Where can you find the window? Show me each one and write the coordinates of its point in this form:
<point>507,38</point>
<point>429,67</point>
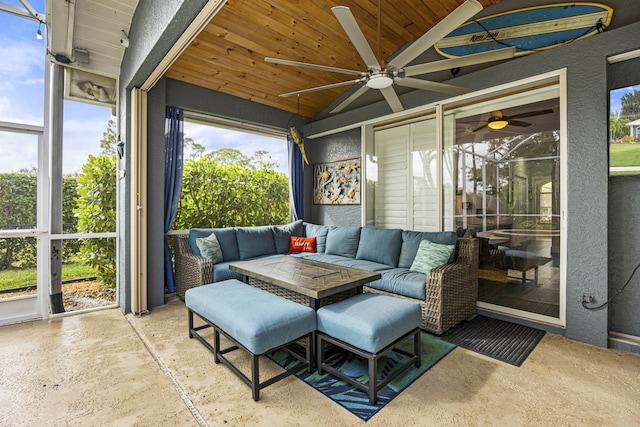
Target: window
<point>237,171</point>
<point>624,131</point>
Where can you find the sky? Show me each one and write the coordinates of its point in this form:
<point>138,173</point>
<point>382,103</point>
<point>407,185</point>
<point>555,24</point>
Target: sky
<point>616,96</point>
<point>22,101</point>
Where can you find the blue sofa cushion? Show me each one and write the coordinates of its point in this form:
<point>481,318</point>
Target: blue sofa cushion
<point>255,241</point>
<point>404,282</point>
<point>380,245</point>
<point>222,272</point>
<point>282,234</point>
<point>319,232</point>
<point>255,318</point>
<point>226,238</point>
<point>411,241</point>
<point>331,259</point>
<point>361,264</point>
<point>343,241</point>
<point>369,321</point>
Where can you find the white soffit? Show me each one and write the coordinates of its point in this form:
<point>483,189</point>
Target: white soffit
<point>90,26</point>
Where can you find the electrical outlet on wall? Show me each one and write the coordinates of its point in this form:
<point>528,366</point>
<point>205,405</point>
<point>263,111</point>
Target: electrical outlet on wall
<point>588,298</point>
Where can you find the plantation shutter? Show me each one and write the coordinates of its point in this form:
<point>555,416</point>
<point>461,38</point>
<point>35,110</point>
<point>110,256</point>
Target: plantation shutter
<point>392,195</point>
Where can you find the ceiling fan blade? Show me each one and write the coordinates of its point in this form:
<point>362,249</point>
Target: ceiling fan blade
<point>314,89</point>
<point>518,123</point>
<point>392,99</point>
<point>479,128</point>
<point>452,21</point>
<point>313,66</point>
<point>355,95</point>
<point>447,64</point>
<point>350,26</point>
<point>431,86</point>
<point>531,114</point>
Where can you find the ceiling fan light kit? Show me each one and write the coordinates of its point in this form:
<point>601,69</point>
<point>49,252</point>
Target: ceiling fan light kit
<point>383,77</point>
<point>497,124</point>
<point>380,80</point>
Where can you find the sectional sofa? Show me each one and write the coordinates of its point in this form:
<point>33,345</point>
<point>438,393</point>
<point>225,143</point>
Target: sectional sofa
<point>447,294</point>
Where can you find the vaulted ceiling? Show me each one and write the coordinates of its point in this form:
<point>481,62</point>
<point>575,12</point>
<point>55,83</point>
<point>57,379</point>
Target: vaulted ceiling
<point>228,55</point>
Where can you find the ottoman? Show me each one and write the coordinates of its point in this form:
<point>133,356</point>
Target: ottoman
<point>368,325</point>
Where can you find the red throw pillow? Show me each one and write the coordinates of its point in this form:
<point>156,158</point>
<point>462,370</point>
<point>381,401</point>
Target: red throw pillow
<point>302,244</point>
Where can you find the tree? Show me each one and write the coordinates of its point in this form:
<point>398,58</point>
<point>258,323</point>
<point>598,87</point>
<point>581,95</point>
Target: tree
<point>618,128</point>
<point>630,105</point>
<point>96,207</point>
<point>226,188</point>
<point>96,212</point>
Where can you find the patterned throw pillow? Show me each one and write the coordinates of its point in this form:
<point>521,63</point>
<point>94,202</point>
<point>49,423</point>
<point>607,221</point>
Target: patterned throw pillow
<point>302,244</point>
<point>431,255</point>
<point>210,248</point>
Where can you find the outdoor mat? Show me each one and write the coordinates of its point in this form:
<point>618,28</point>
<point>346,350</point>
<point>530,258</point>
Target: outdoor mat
<point>357,401</point>
<point>501,340</point>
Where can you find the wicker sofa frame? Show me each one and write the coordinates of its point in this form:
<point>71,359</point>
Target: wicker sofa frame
<point>452,290</point>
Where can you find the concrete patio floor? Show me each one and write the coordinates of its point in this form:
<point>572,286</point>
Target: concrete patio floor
<point>103,368</point>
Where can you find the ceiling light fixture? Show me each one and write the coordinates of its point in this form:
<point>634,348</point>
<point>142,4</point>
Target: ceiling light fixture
<point>497,123</point>
<point>380,80</point>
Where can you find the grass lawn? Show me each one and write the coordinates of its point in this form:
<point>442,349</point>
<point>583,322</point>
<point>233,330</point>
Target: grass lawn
<point>17,278</point>
<point>624,154</point>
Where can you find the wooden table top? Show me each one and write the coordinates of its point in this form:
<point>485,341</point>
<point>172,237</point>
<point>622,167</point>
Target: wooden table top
<point>311,278</point>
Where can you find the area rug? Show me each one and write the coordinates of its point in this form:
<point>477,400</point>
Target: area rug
<point>501,340</point>
<point>357,401</point>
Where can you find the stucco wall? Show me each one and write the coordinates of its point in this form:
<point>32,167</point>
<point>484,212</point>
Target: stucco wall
<point>624,254</point>
<point>345,145</point>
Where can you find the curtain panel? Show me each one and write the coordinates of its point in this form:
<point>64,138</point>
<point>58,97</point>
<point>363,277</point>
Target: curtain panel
<point>296,168</point>
<point>174,138</point>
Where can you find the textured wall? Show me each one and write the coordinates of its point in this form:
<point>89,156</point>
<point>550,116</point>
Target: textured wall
<point>624,253</point>
<point>345,145</point>
<point>155,193</point>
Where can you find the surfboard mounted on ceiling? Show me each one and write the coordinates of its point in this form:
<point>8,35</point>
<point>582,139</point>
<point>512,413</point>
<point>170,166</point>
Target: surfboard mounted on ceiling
<point>530,29</point>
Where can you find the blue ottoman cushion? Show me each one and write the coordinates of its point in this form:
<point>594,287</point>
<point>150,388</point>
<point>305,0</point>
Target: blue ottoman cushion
<point>369,321</point>
<point>255,318</point>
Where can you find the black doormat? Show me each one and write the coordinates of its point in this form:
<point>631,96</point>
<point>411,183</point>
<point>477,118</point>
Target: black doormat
<point>501,340</point>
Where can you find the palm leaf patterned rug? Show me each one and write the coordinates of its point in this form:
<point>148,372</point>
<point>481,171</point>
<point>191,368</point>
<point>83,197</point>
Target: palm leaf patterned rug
<point>357,401</point>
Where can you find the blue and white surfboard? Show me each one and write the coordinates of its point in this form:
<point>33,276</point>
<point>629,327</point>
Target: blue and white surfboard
<point>529,30</point>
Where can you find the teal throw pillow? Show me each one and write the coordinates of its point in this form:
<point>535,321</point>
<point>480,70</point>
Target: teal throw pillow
<point>431,255</point>
<point>210,248</point>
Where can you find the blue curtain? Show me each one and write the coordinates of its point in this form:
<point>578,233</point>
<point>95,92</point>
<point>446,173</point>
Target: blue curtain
<point>296,167</point>
<point>173,156</point>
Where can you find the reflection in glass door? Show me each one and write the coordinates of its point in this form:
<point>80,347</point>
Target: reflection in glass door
<point>507,181</point>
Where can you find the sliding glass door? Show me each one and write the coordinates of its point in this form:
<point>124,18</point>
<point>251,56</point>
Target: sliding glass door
<point>508,184</point>
<point>488,167</point>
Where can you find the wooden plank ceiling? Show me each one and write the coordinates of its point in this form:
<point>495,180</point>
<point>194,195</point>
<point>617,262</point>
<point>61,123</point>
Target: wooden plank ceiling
<point>228,55</point>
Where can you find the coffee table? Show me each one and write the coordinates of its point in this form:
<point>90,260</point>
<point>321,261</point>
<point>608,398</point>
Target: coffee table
<point>303,280</point>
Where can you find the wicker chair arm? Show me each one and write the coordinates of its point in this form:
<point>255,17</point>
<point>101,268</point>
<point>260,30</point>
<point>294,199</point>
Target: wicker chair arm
<point>191,270</point>
<point>467,251</point>
<point>452,289</point>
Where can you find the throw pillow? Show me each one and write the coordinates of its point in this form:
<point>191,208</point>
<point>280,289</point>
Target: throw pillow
<point>431,255</point>
<point>210,248</point>
<point>302,244</point>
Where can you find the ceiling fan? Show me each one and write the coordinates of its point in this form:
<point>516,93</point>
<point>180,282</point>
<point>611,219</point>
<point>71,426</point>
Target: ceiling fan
<point>383,76</point>
<point>499,121</point>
